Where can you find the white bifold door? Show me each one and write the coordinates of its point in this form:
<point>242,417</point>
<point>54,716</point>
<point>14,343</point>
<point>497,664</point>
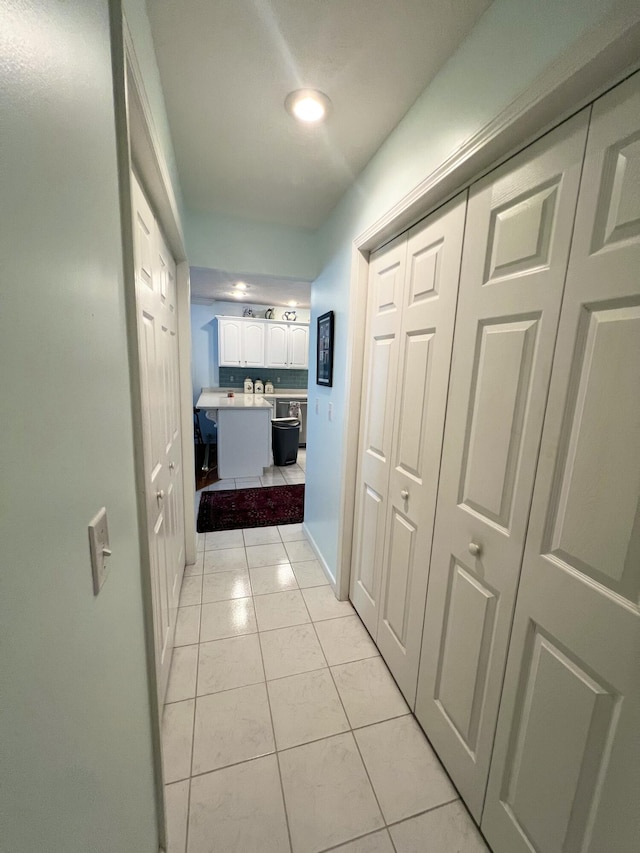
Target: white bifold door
<point>565,774</point>
<point>517,240</point>
<point>155,274</point>
<point>413,286</point>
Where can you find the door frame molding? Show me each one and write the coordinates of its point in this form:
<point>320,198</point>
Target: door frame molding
<point>138,147</point>
<point>594,63</point>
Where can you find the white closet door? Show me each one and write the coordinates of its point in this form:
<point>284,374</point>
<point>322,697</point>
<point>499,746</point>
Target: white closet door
<point>566,769</point>
<point>152,331</point>
<point>517,236</point>
<point>166,270</point>
<point>426,337</point>
<point>384,314</point>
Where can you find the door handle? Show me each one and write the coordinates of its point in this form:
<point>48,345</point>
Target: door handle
<point>160,494</point>
<point>475,549</point>
<point>404,494</point>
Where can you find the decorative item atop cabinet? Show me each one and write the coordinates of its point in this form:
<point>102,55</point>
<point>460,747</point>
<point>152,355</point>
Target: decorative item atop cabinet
<point>248,312</point>
<point>289,315</point>
<point>269,314</point>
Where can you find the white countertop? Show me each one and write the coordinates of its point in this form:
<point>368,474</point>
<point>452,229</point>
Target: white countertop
<point>289,393</point>
<point>210,400</point>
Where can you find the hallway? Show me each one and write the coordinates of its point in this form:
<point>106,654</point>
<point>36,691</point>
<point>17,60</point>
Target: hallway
<point>283,729</point>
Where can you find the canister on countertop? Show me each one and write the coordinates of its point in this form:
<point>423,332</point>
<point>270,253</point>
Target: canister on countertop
<point>268,387</point>
<point>258,387</point>
<point>248,386</point>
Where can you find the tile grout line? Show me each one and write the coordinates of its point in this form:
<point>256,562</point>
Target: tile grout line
<point>275,745</point>
<point>353,737</point>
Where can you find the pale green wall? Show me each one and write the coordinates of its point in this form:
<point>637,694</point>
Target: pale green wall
<point>135,13</point>
<point>514,41</point>
<point>245,246</point>
<point>76,770</point>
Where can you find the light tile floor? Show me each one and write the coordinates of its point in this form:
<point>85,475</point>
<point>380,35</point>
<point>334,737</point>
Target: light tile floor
<point>272,476</point>
<point>283,729</point>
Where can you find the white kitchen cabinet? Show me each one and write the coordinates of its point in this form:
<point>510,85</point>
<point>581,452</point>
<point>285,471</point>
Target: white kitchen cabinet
<point>277,348</point>
<point>248,342</point>
<point>299,347</point>
<point>287,346</point>
<point>240,342</point>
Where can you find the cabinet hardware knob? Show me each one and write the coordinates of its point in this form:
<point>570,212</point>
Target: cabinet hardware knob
<point>404,494</point>
<point>106,552</point>
<point>160,494</point>
<point>475,549</point>
<point>171,466</point>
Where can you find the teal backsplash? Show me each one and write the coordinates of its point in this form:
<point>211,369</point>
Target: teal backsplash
<point>233,377</point>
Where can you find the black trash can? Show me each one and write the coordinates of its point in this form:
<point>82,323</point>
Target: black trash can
<point>285,436</point>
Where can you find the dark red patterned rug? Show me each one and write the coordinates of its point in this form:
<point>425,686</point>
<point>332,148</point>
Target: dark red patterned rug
<point>229,510</point>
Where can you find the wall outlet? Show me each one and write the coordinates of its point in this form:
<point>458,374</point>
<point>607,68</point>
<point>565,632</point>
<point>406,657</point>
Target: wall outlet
<point>231,378</point>
<point>330,411</point>
<point>99,547</point>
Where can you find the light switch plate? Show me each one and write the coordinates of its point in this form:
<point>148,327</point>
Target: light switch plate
<point>317,406</point>
<point>99,546</point>
<point>330,411</point>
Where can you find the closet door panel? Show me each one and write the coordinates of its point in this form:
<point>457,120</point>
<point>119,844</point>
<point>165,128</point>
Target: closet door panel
<point>518,233</point>
<point>434,250</point>
<point>384,312</point>
<point>566,768</point>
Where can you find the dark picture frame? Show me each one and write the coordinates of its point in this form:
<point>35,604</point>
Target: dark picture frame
<point>324,354</point>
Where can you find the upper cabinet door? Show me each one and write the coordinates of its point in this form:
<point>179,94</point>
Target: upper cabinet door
<point>299,347</point>
<point>519,225</point>
<point>277,346</point>
<point>566,766</point>
<point>418,405</point>
<point>229,342</point>
<point>253,342</point>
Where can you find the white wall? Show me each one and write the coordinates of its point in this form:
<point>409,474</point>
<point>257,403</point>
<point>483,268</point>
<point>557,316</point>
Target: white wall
<point>247,247</point>
<point>76,770</point>
<point>511,45</point>
<point>204,338</point>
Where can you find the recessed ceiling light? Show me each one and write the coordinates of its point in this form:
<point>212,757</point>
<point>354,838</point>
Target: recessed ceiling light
<point>292,304</point>
<point>238,294</point>
<point>240,285</point>
<point>307,105</point>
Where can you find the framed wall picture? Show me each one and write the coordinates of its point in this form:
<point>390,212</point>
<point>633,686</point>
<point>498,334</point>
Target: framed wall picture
<point>324,365</point>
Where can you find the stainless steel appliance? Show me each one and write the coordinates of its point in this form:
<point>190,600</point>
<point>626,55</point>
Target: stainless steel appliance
<point>294,409</point>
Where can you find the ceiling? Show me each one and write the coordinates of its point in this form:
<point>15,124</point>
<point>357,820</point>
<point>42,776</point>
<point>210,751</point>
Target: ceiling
<point>261,289</point>
<point>227,65</point>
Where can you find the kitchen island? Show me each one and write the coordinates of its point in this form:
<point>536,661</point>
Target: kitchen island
<point>244,432</point>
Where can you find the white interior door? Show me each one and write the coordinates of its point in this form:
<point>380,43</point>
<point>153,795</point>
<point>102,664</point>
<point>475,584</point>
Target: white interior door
<point>159,372</point>
<point>382,339</point>
<point>566,769</point>
<point>418,405</point>
<point>518,231</point>
<point>166,270</point>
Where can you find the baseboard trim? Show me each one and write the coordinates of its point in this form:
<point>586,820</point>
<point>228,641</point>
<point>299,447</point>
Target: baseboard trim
<point>321,559</point>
